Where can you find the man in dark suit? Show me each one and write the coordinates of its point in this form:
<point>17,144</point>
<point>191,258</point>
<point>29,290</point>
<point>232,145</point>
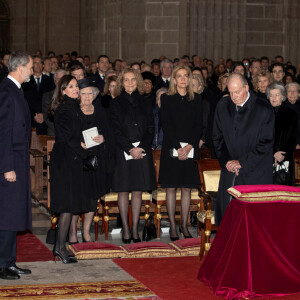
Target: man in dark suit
<point>243,137</point>
<point>103,66</point>
<point>33,92</point>
<point>166,68</point>
<point>15,129</point>
<point>47,69</point>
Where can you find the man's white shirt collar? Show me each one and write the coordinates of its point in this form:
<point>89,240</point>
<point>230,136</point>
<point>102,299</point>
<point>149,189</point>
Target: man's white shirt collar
<point>17,83</point>
<point>246,100</point>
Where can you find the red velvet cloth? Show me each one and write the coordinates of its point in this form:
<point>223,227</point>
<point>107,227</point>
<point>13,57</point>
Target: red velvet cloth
<point>256,251</point>
<point>266,188</point>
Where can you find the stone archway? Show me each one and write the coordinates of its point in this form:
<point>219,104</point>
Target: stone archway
<point>4,26</point>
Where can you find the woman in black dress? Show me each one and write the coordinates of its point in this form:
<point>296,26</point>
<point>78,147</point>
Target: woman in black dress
<point>66,162</point>
<point>286,128</point>
<point>133,126</point>
<point>181,116</point>
<point>91,114</point>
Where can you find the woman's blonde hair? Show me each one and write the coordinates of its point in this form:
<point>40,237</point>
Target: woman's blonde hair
<point>200,81</point>
<point>255,79</point>
<point>173,89</point>
<point>138,77</point>
<point>226,75</point>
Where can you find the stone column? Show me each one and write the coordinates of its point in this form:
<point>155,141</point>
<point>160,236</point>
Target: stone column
<point>217,28</point>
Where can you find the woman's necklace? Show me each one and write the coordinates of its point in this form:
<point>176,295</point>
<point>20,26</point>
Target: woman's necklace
<point>87,109</point>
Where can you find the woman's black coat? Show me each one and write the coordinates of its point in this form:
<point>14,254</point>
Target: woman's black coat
<point>67,178</point>
<point>182,121</point>
<point>133,121</point>
<point>286,128</point>
<point>295,107</point>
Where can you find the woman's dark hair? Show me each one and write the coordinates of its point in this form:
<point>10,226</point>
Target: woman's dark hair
<point>294,79</point>
<point>58,96</point>
<point>107,83</point>
<point>239,63</point>
<point>290,68</point>
<point>196,68</point>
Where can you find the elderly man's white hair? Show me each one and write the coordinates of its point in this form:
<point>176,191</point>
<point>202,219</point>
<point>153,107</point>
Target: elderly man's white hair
<point>235,76</point>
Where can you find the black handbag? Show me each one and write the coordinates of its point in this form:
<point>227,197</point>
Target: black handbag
<point>281,174</point>
<point>149,231</point>
<point>51,236</point>
<point>90,163</point>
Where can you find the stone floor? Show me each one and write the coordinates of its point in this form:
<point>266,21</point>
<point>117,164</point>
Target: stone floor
<point>84,270</point>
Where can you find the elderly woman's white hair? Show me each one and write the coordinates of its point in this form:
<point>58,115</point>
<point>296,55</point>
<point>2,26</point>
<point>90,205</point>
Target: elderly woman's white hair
<point>287,86</point>
<point>276,86</point>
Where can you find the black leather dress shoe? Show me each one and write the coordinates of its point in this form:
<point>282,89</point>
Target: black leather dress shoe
<point>19,271</point>
<point>5,273</point>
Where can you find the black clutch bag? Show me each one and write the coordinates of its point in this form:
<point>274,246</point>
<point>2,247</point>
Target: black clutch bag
<point>149,231</point>
<point>90,163</point>
<point>281,174</point>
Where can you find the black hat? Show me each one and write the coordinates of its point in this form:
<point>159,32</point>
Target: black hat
<point>86,82</point>
<point>150,76</point>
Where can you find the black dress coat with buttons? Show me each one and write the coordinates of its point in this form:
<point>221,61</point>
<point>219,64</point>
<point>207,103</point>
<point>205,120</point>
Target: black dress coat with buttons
<point>66,167</point>
<point>15,130</point>
<point>182,121</point>
<point>133,121</point>
<point>246,135</point>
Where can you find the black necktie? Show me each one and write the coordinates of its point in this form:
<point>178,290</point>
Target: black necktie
<point>238,107</point>
<point>167,83</point>
<point>38,83</point>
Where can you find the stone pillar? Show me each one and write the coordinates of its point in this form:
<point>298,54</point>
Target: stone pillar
<point>166,28</point>
<point>290,36</point>
<point>217,28</point>
<point>63,28</point>
<point>92,28</point>
<point>18,28</point>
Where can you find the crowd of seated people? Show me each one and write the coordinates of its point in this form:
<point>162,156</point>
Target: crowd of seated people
<point>209,77</point>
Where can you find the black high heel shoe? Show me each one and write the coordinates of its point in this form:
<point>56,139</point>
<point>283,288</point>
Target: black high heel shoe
<point>173,238</point>
<point>65,259</point>
<point>73,243</point>
<point>84,240</point>
<point>138,240</point>
<point>126,241</point>
<point>189,236</point>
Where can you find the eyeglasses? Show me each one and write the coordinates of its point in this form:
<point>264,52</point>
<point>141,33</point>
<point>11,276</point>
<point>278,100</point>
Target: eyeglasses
<point>246,64</point>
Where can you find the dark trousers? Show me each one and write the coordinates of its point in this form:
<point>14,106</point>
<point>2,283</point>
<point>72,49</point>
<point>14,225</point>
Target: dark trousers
<point>8,248</point>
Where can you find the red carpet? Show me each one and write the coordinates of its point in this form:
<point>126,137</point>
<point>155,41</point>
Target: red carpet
<point>173,278</point>
<point>30,249</point>
<point>169,277</point>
